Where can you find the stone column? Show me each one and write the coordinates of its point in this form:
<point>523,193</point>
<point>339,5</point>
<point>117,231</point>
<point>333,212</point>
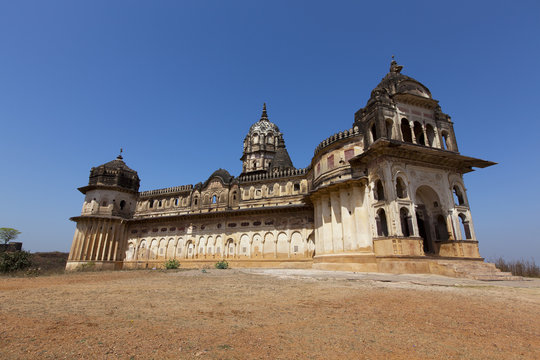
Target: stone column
<point>426,140</point>
<point>436,138</point>
<point>361,215</point>
<point>91,240</point>
<point>318,222</point>
<point>82,237</point>
<point>337,233</point>
<point>413,136</point>
<point>346,219</point>
<point>328,244</point>
<point>106,240</point>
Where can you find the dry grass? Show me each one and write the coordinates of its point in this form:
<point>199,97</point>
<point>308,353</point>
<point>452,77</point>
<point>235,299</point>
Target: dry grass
<point>527,268</point>
<point>228,314</point>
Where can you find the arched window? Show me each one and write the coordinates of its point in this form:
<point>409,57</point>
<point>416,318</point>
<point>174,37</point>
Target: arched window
<point>445,143</point>
<point>389,127</point>
<point>160,203</point>
<point>430,135</point>
<point>401,188</point>
<point>234,195</point>
<point>406,131</point>
<point>465,229</point>
<point>382,224</point>
<point>176,202</point>
<point>419,133</point>
<point>458,196</point>
<point>254,164</point>
<point>374,134</point>
<point>214,199</point>
<point>195,200</point>
<point>379,191</point>
<point>122,204</point>
<point>406,222</point>
<point>151,204</point>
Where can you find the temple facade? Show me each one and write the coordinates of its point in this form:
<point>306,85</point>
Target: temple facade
<point>386,195</point>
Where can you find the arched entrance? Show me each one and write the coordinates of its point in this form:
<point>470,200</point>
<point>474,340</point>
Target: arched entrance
<point>230,248</point>
<point>428,210</point>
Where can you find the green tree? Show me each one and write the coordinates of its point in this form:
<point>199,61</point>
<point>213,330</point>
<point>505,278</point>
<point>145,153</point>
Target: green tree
<point>8,234</point>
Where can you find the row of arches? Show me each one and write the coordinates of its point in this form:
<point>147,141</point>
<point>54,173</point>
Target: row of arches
<point>413,132</point>
<point>255,246</point>
<point>430,222</point>
<point>401,191</point>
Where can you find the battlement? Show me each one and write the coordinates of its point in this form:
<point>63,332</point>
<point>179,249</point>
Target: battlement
<point>168,190</point>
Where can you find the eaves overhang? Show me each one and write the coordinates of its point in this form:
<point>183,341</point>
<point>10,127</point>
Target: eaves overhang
<point>420,153</point>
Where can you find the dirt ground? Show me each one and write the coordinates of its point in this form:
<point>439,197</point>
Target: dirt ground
<point>266,314</point>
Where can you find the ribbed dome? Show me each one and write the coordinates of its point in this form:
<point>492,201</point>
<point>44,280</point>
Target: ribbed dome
<point>263,126</point>
<point>115,173</point>
<point>222,174</point>
<point>396,83</point>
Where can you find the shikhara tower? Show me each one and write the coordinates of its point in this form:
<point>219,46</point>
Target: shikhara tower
<point>385,195</point>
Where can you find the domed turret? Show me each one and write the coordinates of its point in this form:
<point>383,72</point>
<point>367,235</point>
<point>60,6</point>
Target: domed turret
<point>115,173</point>
<point>396,83</point>
<point>112,190</point>
<point>264,148</point>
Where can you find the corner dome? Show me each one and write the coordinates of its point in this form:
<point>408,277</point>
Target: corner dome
<point>115,173</point>
<point>263,126</point>
<point>221,174</point>
<point>396,83</point>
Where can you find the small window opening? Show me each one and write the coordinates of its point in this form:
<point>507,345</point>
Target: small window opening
<point>296,187</point>
<point>382,224</point>
<point>406,222</point>
<point>465,229</point>
<point>122,205</point>
<point>458,196</point>
<point>401,189</point>
<point>379,191</point>
<point>374,134</point>
<point>445,141</point>
<point>160,203</point>
<point>406,131</point>
<point>419,133</point>
<point>151,204</point>
<point>176,202</point>
<point>430,135</point>
<point>214,199</point>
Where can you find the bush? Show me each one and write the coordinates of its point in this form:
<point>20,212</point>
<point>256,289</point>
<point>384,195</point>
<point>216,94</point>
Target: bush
<point>518,267</point>
<point>222,264</point>
<point>15,261</point>
<point>172,264</point>
<point>89,266</point>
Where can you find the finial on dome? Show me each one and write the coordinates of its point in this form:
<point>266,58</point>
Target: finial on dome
<point>264,114</point>
<point>119,157</point>
<point>394,67</point>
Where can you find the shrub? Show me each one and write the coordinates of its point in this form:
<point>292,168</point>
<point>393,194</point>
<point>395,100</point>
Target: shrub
<point>15,261</point>
<point>527,268</point>
<point>172,264</point>
<point>222,264</point>
<point>89,266</point>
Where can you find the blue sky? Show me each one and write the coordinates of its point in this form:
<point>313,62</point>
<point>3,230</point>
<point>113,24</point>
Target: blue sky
<point>177,84</point>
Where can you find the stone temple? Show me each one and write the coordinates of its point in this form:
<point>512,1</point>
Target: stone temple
<point>386,195</point>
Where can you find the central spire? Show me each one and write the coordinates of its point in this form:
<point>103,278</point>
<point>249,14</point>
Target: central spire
<point>264,115</point>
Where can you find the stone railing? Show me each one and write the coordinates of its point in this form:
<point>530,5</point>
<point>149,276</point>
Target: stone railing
<point>273,175</point>
<point>336,137</point>
<point>169,190</point>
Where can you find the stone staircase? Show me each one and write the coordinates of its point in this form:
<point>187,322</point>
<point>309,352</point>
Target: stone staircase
<point>473,269</point>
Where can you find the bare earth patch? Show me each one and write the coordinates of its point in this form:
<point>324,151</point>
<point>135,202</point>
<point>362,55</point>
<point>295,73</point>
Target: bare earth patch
<point>266,314</point>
